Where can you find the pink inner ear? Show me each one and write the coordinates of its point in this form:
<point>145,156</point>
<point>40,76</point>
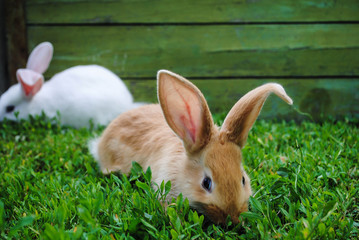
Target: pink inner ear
<point>185,110</point>
<point>30,81</point>
<point>189,123</point>
<point>184,113</point>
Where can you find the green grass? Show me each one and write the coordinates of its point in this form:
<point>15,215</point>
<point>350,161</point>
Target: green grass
<point>304,176</point>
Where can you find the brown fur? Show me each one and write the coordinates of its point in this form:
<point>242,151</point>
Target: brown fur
<point>139,140</point>
<point>181,144</point>
<point>244,113</point>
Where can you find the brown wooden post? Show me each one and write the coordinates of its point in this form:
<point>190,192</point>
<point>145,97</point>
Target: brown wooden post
<point>16,37</point>
<point>3,70</point>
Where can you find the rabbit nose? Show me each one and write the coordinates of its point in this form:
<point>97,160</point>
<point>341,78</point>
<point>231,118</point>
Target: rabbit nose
<point>235,219</point>
<point>234,216</point>
<point>234,210</point>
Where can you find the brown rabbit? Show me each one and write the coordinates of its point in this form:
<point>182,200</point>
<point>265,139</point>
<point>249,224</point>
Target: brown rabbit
<point>179,141</point>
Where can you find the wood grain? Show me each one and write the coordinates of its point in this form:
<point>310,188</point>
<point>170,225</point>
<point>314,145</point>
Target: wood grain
<point>207,51</point>
<point>189,11</point>
<point>317,97</point>
<point>16,41</point>
<point>226,47</point>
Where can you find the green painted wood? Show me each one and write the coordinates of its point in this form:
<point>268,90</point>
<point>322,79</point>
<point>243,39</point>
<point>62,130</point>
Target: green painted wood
<point>317,97</point>
<point>206,51</point>
<point>208,44</point>
<point>189,11</point>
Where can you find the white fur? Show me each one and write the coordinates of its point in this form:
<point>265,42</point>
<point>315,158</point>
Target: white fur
<point>93,148</point>
<point>79,94</point>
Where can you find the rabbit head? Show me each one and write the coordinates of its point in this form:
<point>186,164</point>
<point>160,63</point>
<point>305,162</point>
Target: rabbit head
<point>213,178</point>
<point>30,80</point>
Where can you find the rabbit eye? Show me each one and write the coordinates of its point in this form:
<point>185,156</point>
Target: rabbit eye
<point>207,184</point>
<point>10,108</point>
<point>243,181</point>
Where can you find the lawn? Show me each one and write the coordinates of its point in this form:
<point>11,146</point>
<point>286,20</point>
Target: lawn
<point>304,176</point>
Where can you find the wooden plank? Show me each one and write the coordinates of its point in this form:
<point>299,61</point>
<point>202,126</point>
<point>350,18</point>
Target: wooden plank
<point>206,51</point>
<point>16,41</point>
<point>318,97</point>
<point>189,11</point>
<point>4,81</point>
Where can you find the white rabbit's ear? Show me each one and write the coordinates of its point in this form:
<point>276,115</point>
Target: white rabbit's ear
<point>30,81</point>
<point>244,113</point>
<point>40,57</point>
<point>185,110</point>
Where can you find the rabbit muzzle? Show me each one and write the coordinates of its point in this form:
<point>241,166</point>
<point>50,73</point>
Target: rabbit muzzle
<point>218,215</point>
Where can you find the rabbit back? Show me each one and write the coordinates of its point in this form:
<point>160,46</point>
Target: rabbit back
<point>140,135</point>
<point>81,94</point>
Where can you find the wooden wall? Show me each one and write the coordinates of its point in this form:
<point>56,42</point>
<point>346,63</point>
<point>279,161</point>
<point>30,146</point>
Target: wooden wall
<point>3,77</point>
<point>226,47</point>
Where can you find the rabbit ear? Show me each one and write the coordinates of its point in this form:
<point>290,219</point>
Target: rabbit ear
<point>40,57</point>
<point>244,113</point>
<point>185,110</point>
<point>30,81</point>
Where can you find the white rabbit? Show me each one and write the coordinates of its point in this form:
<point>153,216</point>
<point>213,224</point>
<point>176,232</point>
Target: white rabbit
<point>79,94</point>
<point>180,142</point>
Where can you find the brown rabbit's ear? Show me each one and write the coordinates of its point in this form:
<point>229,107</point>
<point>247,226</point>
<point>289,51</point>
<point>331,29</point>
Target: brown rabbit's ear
<point>244,113</point>
<point>185,110</point>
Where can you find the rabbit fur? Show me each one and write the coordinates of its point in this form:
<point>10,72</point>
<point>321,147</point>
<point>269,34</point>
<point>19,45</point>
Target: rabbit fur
<point>79,94</point>
<point>179,141</point>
